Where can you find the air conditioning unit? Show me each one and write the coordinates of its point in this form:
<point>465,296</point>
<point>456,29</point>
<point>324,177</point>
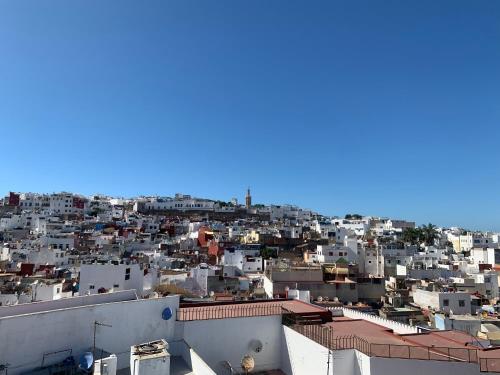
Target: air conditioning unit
<point>150,358</point>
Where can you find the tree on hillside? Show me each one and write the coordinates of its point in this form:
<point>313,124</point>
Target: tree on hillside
<point>353,217</point>
<point>412,235</point>
<point>429,234</point>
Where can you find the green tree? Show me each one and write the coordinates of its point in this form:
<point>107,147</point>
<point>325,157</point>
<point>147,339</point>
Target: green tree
<point>429,234</point>
<point>267,253</point>
<point>353,217</point>
<point>412,235</point>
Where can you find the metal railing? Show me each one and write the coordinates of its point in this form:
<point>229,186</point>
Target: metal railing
<point>227,311</point>
<point>489,364</point>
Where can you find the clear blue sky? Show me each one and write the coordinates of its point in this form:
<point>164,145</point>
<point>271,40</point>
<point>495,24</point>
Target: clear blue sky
<point>375,107</point>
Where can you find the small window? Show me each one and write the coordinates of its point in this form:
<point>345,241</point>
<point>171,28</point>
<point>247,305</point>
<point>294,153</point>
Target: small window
<point>461,303</point>
<point>116,285</point>
<point>91,286</point>
<point>446,302</point>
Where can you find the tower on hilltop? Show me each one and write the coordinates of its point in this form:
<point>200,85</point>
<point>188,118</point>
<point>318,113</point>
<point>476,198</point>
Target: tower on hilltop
<point>248,199</point>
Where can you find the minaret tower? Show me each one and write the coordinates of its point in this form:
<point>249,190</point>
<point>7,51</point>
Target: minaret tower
<point>248,199</point>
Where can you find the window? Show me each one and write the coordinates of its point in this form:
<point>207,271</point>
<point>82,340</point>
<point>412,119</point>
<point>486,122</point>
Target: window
<point>91,286</point>
<point>446,302</point>
<point>127,274</point>
<point>58,290</point>
<point>461,303</point>
<point>116,285</point>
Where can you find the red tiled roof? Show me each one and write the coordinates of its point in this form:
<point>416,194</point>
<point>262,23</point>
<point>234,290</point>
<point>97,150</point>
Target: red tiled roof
<point>247,309</point>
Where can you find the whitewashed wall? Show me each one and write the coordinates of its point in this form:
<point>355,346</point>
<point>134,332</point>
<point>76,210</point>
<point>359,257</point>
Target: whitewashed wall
<point>300,355</point>
<point>394,366</point>
<point>25,338</point>
<point>220,340</point>
<point>397,327</point>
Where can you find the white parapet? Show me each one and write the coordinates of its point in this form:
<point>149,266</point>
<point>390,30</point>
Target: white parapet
<point>397,327</point>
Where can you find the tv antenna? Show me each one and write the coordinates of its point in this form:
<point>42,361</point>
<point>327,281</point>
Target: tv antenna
<point>96,323</point>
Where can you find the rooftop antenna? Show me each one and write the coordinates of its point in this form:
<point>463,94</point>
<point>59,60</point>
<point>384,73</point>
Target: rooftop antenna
<point>96,323</point>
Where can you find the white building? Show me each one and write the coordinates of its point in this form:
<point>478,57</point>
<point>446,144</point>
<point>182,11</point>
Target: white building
<point>111,277</point>
<point>484,255</point>
<point>247,260</point>
<point>334,253</point>
<point>62,204</point>
<point>200,277</point>
<point>458,303</point>
<point>371,262</point>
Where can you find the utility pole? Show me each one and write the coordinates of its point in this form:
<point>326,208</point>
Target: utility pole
<point>96,323</point>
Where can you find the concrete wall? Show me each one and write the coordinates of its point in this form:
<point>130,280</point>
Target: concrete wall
<point>432,273</point>
<point>38,333</point>
<point>397,327</point>
<point>394,366</point>
<point>108,275</point>
<point>371,291</point>
<point>425,298</point>
<point>30,308</point>
<point>198,365</point>
<point>105,366</point>
<point>341,290</point>
<point>221,340</point>
<point>8,300</point>
<point>300,355</point>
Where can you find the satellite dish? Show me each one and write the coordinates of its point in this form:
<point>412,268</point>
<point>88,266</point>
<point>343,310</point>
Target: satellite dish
<point>166,313</point>
<point>256,346</point>
<point>86,361</point>
<point>247,364</point>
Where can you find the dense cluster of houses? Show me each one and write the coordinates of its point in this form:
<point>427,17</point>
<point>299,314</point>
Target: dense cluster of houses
<point>65,246</point>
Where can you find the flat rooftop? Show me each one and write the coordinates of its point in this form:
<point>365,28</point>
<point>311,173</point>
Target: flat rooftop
<point>246,309</point>
<point>376,334</point>
<point>65,303</point>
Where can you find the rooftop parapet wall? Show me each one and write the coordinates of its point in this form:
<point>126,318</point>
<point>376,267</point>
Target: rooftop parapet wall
<point>397,327</point>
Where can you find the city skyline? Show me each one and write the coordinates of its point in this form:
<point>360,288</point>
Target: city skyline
<point>242,203</point>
